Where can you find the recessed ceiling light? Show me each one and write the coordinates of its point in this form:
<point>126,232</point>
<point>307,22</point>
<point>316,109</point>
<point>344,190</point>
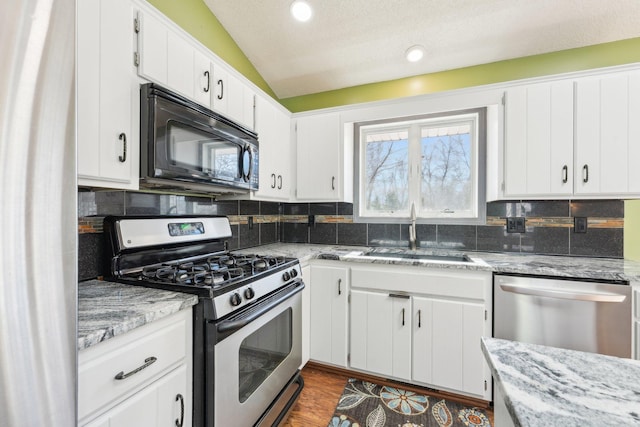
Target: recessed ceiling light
<point>301,10</point>
<point>414,53</point>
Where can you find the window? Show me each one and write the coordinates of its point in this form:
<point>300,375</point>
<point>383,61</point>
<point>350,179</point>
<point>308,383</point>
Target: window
<point>433,162</point>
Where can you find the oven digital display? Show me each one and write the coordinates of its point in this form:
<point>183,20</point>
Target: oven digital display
<point>186,228</point>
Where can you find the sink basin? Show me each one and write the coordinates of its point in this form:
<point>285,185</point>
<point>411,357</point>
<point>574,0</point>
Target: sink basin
<point>426,257</point>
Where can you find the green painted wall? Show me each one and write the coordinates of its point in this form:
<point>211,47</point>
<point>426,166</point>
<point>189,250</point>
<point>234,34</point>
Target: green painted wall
<point>603,55</point>
<point>632,229</point>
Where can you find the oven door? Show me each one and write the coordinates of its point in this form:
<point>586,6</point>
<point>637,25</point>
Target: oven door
<point>257,353</point>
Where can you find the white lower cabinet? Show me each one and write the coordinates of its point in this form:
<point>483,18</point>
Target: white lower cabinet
<point>446,352</point>
<point>328,323</point>
<point>422,326</point>
<point>141,378</point>
<point>306,315</point>
<point>381,333</point>
<point>160,404</point>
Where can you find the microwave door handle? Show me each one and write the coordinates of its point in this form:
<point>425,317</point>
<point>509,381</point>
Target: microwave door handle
<point>563,294</point>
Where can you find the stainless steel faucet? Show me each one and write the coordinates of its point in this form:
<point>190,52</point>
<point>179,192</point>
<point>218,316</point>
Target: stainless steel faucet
<point>412,228</point>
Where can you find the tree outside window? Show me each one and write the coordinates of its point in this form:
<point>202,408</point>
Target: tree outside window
<point>433,162</point>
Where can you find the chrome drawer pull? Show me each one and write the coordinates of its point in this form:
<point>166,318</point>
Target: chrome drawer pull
<point>147,362</point>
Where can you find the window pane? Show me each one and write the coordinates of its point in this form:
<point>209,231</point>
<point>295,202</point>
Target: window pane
<point>447,180</point>
<point>386,171</point>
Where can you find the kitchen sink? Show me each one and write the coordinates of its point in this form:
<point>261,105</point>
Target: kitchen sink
<point>425,257</point>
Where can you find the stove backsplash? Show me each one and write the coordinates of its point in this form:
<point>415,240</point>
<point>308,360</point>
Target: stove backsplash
<point>252,223</point>
<point>549,225</point>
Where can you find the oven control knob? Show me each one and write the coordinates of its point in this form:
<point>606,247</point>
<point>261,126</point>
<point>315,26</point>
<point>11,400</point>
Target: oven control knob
<point>286,276</point>
<point>235,299</point>
<point>294,272</point>
<point>249,293</point>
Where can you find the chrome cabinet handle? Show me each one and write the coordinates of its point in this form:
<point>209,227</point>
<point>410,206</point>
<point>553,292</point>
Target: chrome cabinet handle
<point>585,173</point>
<point>565,174</point>
<point>123,137</point>
<point>206,74</point>
<point>401,296</point>
<point>221,94</point>
<point>180,422</point>
<point>561,294</point>
<point>339,287</point>
<point>273,180</point>
<point>419,318</point>
<point>333,182</point>
<point>147,362</point>
<point>279,182</point>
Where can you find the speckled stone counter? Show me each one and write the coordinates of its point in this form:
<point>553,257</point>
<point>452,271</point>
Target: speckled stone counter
<point>528,264</point>
<point>547,386</point>
<point>107,309</point>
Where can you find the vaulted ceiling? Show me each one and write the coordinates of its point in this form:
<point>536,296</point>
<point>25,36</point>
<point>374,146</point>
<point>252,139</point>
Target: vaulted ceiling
<point>353,42</point>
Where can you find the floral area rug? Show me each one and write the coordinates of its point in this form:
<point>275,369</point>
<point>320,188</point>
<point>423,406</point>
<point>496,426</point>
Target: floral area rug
<point>365,404</point>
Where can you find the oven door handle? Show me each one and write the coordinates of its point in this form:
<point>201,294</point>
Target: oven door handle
<point>229,326</point>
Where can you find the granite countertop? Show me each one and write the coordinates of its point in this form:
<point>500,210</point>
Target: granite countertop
<point>514,263</point>
<point>107,309</point>
<point>547,386</point>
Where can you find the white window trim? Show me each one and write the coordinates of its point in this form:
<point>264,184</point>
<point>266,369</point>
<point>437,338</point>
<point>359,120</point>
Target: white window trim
<point>402,216</point>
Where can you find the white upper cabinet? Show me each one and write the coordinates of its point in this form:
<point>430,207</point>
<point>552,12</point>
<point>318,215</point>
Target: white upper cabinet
<point>320,158</point>
<point>573,138</point>
<point>607,149</point>
<point>203,82</point>
<point>172,58</point>
<point>539,140</point>
<point>152,47</point>
<point>273,126</point>
<point>107,95</point>
<point>181,75</point>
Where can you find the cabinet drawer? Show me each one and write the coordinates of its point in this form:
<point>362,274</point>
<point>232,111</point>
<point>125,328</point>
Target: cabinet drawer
<point>164,340</point>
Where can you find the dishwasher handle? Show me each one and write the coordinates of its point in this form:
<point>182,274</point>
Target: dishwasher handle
<point>563,294</point>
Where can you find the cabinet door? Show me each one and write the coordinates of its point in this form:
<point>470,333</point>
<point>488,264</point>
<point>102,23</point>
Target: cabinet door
<point>538,146</point>
<point>180,65</point>
<point>607,135</point>
<point>422,361</point>
<point>381,333</point>
<point>306,314</point>
<point>220,89</point>
<point>329,314</point>
<point>273,127</point>
<point>457,360</point>
<point>152,47</point>
<point>163,403</point>
<point>235,98</point>
<point>319,157</point>
<point>203,81</point>
<point>107,87</point>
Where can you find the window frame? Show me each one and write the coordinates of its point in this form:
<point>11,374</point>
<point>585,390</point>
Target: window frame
<point>416,123</point>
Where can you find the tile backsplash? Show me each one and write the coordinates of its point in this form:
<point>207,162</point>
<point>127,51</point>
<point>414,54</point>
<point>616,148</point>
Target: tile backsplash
<point>548,228</point>
<point>549,225</point>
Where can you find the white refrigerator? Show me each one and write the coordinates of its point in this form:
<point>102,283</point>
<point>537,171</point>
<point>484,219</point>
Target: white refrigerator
<point>38,214</point>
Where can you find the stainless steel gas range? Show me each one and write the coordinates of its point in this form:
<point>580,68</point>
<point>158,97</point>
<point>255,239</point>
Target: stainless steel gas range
<point>247,324</point>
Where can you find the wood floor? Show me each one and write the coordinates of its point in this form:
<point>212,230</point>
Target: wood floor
<point>323,387</point>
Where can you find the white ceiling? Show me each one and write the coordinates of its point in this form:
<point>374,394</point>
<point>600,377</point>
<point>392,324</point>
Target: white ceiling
<point>354,42</point>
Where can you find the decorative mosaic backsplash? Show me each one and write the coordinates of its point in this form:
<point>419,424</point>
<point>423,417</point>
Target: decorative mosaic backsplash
<point>549,228</point>
<point>548,225</point>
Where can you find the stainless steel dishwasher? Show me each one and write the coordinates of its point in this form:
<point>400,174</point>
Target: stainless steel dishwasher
<point>578,315</point>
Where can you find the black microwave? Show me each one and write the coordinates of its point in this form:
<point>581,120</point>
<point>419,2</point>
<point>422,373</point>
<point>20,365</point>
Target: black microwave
<point>187,146</point>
